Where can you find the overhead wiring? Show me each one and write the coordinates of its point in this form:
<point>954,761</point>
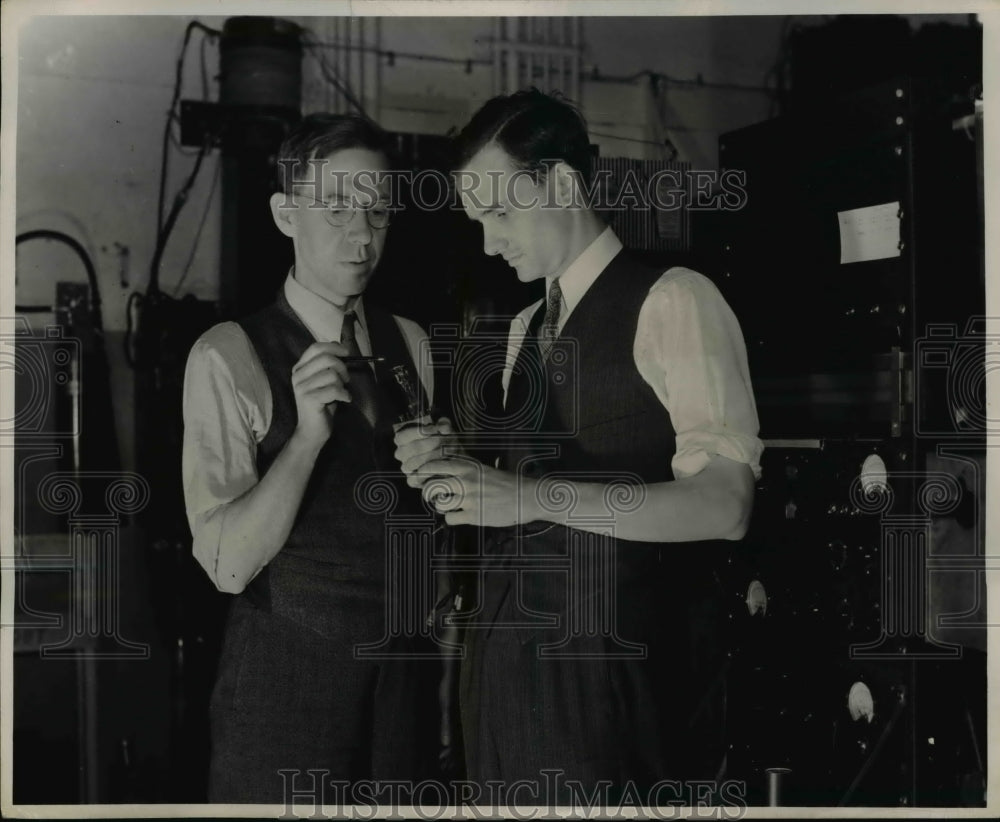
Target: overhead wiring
<point>172,111</point>
<point>330,73</point>
<point>391,55</point>
<point>165,222</point>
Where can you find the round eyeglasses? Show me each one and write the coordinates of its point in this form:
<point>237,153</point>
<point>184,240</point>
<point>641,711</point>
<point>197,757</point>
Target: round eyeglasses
<point>340,215</point>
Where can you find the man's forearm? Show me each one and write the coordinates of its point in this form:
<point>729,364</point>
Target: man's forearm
<point>713,504</point>
<point>256,525</point>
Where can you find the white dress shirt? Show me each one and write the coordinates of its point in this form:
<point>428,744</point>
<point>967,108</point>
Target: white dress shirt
<point>690,350</point>
<point>228,407</point>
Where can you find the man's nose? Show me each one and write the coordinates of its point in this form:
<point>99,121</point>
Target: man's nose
<point>493,243</point>
<point>358,229</point>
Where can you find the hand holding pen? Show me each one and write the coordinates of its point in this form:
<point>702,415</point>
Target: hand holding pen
<point>320,380</point>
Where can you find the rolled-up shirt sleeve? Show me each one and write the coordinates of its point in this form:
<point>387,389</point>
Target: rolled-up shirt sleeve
<point>226,405</point>
<point>689,348</point>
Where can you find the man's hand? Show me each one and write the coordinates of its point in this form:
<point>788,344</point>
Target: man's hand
<point>417,445</point>
<point>319,378</point>
<point>470,493</point>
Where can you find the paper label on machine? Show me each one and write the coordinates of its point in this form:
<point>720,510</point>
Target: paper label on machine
<point>870,233</point>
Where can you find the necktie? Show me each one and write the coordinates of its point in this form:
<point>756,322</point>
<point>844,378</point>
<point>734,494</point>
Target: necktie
<point>362,384</point>
<point>550,325</point>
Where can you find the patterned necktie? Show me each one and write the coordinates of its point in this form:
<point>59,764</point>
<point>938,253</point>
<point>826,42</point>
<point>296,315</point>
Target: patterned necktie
<point>362,384</point>
<point>550,325</point>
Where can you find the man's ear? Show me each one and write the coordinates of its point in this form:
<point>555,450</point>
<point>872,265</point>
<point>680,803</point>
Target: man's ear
<point>284,213</point>
<point>566,183</point>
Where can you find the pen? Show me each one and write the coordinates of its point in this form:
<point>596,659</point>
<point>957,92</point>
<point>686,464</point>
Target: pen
<point>358,360</point>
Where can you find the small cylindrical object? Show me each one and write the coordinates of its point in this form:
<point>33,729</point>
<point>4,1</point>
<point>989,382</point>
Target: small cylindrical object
<point>409,394</point>
<point>776,785</point>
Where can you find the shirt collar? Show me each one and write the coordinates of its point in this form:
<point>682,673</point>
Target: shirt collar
<point>323,319</point>
<point>582,272</point>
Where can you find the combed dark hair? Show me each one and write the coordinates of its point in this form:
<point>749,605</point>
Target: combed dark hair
<point>319,135</point>
<point>531,127</point>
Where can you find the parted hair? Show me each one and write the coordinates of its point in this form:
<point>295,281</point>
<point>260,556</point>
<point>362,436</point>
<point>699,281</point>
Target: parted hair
<point>533,128</point>
<point>319,135</point>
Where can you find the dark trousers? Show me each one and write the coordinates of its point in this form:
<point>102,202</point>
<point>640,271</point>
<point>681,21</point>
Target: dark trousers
<point>595,717</point>
<point>288,699</point>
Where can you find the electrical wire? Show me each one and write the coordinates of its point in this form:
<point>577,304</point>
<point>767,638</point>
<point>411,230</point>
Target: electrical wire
<point>329,72</point>
<point>201,226</point>
<point>659,76</point>
<point>168,226</point>
<point>392,55</point>
<point>659,144</point>
<point>132,303</point>
<point>88,265</point>
<point>171,112</point>
<point>592,74</point>
<point>165,226</point>
<point>204,69</point>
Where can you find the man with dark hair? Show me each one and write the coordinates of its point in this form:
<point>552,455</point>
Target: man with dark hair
<point>283,417</point>
<point>631,451</point>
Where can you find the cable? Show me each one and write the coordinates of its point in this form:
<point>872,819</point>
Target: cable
<point>584,74</point>
<point>163,228</point>
<point>465,62</point>
<point>867,766</point>
<point>201,226</point>
<point>405,55</point>
<point>179,200</point>
<point>134,299</point>
<point>658,144</point>
<point>81,252</point>
<point>330,73</point>
<point>204,69</point>
<point>171,112</point>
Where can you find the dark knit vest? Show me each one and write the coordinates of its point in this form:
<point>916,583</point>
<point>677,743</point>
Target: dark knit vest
<point>330,575</point>
<point>588,415</point>
<point>592,401</point>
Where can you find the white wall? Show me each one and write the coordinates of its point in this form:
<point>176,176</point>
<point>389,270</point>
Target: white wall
<point>93,93</point>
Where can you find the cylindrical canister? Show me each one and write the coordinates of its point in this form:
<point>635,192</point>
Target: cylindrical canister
<point>777,784</point>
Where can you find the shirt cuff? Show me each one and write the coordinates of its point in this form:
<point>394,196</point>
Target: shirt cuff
<point>696,448</point>
<point>207,530</point>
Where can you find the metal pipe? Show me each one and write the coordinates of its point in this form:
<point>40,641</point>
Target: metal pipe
<point>577,45</point>
<point>336,102</point>
<point>348,24</point>
<point>548,56</point>
<point>529,56</point>
<point>362,91</point>
<point>513,59</point>
<point>497,66</point>
<point>564,60</point>
<point>378,69</point>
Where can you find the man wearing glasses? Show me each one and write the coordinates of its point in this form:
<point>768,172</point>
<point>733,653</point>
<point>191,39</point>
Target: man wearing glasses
<point>283,415</point>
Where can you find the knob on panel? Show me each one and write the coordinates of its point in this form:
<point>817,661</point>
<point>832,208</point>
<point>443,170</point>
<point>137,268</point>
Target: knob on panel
<point>874,475</point>
<point>756,598</point>
<point>860,702</point>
